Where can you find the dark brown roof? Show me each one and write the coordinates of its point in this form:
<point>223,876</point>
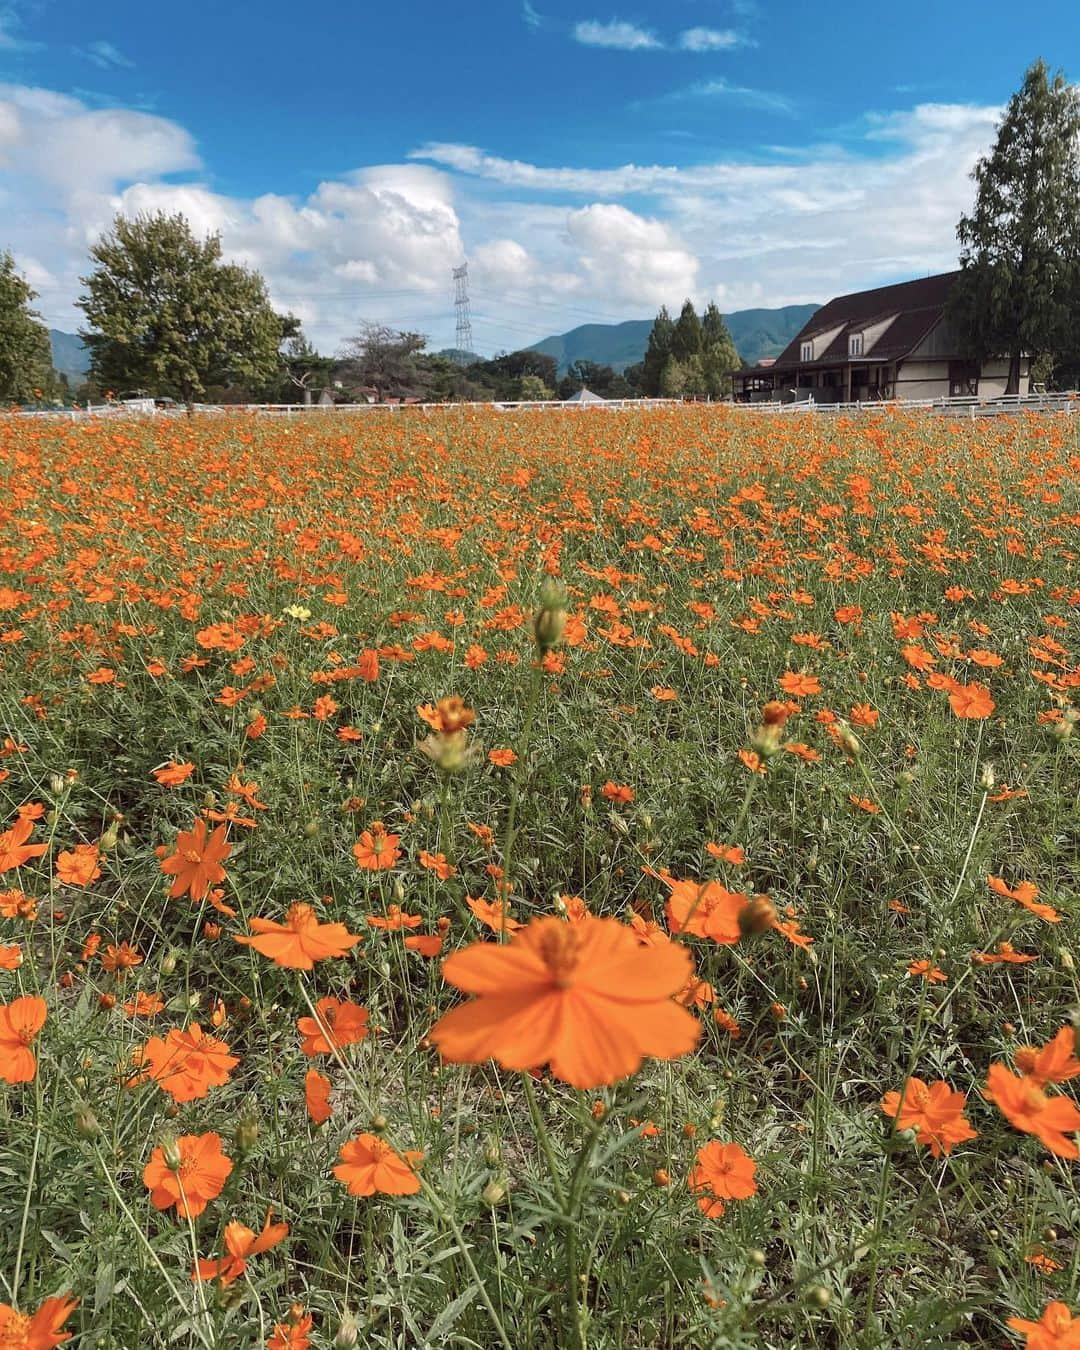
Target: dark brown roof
<point>917,305</point>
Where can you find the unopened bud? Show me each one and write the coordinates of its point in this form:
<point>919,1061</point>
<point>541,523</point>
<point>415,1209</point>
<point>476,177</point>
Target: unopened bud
<point>494,1193</point>
<point>110,838</point>
<point>550,619</point>
<point>1066,958</point>
<point>492,1154</point>
<point>379,1123</point>
<point>168,963</point>
<point>86,1123</point>
<point>756,915</point>
<point>987,778</point>
<point>170,1151</point>
<point>311,829</point>
<point>847,740</point>
<point>247,1133</point>
<point>348,1333</point>
<point>818,1296</point>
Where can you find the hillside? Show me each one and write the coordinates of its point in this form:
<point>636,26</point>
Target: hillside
<point>756,332</point>
<point>69,356</point>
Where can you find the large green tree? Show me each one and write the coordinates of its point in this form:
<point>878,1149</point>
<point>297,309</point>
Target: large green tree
<point>26,369</point>
<point>719,355</point>
<point>167,317</point>
<point>686,338</point>
<point>657,352</point>
<point>1020,246</point>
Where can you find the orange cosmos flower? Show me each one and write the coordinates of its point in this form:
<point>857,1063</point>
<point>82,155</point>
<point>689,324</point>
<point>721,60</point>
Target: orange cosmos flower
<point>144,1005</point>
<point>196,864</point>
<point>1054,1063</point>
<point>502,758</point>
<point>119,960</point>
<point>42,1331</point>
<point>20,1022</point>
<point>293,1334</point>
<point>173,774</point>
<point>369,1166</point>
<point>335,1025</point>
<point>928,971</point>
<point>935,1112</point>
<point>11,958</point>
<point>198,1176</point>
<point>187,1064</point>
<point>1026,1107</point>
<point>971,701</point>
<point>317,1096</point>
<point>240,1243</point>
<point>722,1172</point>
<point>14,850</point>
<point>394,919</point>
<point>494,913</point>
<point>301,940</point>
<point>437,863</point>
<point>706,910</point>
<point>426,944</point>
<point>585,998</point>
<point>1056,1329</point>
<point>799,685</point>
<point>375,849</point>
<point>1006,953</point>
<point>1024,894</point>
<point>617,792</point>
<point>78,866</point>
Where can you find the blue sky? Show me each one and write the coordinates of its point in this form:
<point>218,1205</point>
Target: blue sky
<point>590,162</point>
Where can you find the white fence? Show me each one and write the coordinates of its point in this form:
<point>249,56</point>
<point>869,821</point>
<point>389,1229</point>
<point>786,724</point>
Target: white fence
<point>967,406</point>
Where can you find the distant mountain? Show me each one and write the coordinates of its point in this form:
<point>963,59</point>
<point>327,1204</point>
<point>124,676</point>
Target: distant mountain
<point>756,333</point>
<point>69,356</point>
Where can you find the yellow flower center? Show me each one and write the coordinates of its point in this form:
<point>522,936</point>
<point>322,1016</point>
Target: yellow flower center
<point>300,916</point>
<point>192,856</point>
<point>560,945</point>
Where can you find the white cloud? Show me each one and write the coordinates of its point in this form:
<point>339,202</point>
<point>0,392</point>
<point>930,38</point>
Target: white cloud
<point>105,56</point>
<point>709,39</point>
<point>9,38</point>
<point>740,93</point>
<point>624,37</point>
<point>631,257</point>
<point>549,246</point>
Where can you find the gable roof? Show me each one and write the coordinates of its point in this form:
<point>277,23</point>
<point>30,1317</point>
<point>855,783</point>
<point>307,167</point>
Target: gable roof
<point>913,307</point>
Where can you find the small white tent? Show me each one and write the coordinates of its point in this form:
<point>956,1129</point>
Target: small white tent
<point>584,396</point>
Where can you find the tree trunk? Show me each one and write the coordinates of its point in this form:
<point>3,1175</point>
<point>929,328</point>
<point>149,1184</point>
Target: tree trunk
<point>1013,385</point>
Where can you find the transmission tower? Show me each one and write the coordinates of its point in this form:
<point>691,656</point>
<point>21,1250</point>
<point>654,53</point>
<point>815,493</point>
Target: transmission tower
<point>463,330</point>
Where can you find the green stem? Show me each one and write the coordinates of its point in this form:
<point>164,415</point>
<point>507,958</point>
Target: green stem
<point>520,770</point>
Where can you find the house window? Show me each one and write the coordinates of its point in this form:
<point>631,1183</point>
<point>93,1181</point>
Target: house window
<point>854,345</point>
<point>806,351</point>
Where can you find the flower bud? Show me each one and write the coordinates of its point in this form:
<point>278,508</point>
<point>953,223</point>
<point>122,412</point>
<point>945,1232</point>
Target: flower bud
<point>170,1151</point>
<point>110,838</point>
<point>168,963</point>
<point>756,915</point>
<point>247,1133</point>
<point>348,1333</point>
<point>847,740</point>
<point>492,1153</point>
<point>987,778</point>
<point>818,1296</point>
<point>379,1123</point>
<point>550,619</point>
<point>494,1193</point>
<point>86,1123</point>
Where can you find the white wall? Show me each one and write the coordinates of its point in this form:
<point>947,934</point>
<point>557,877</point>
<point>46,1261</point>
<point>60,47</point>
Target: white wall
<point>922,379</point>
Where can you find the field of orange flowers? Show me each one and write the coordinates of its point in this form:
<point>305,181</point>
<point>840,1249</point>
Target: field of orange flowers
<point>511,880</point>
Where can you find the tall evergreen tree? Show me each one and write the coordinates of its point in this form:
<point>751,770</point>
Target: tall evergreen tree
<point>657,353</point>
<point>26,369</point>
<point>686,340</point>
<point>166,316</point>
<point>1020,247</point>
<point>719,356</point>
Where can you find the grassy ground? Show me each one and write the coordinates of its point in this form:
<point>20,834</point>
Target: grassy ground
<point>167,588</point>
